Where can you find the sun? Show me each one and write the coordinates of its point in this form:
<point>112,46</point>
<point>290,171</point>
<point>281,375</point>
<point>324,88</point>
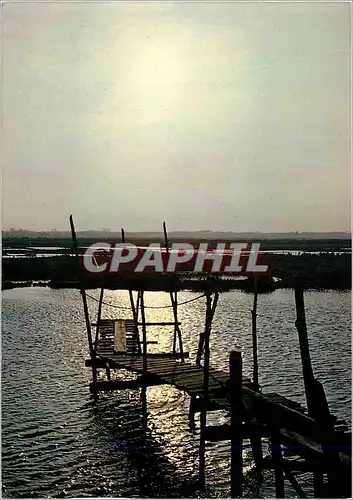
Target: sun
<point>156,77</point>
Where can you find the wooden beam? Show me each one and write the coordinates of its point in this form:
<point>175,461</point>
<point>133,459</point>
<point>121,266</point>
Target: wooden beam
<point>100,363</point>
<point>114,385</point>
<point>293,481</point>
<point>160,323</point>
<point>223,432</point>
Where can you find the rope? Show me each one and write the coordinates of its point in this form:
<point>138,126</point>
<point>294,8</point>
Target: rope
<point>146,307</point>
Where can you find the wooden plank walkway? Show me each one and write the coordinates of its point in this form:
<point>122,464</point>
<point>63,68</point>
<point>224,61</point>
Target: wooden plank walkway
<point>183,375</point>
<point>164,368</point>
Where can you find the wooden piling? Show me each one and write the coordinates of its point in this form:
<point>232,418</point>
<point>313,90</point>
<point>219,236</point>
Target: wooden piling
<point>85,305</point>
<point>200,348</point>
<point>256,447</point>
<point>236,467</point>
<point>134,308</point>
<point>208,323</point>
<point>191,415</point>
<point>135,312</point>
<point>177,331</point>
<point>338,484</point>
<point>204,403</point>
<point>277,459</point>
<point>107,371</point>
<point>174,301</point>
<point>99,314</point>
<point>210,310</point>
<point>293,481</point>
<point>308,376</point>
<point>144,333</point>
<point>304,347</point>
<point>254,337</point>
<point>255,438</point>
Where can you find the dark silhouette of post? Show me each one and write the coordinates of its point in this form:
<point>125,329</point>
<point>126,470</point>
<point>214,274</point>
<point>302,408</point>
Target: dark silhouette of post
<point>134,308</point>
<point>236,465</point>
<point>308,376</point>
<point>277,459</point>
<point>99,314</point>
<point>254,336</point>
<point>338,482</point>
<point>304,346</point>
<point>174,301</point>
<point>144,335</point>
<point>255,438</point>
<point>204,402</point>
<point>85,305</point>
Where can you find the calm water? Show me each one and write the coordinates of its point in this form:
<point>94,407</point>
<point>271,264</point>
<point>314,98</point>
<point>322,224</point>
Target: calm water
<point>56,441</point>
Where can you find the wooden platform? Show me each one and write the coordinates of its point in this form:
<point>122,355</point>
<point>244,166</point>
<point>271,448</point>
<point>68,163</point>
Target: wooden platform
<point>295,427</point>
<point>162,368</point>
<point>182,375</point>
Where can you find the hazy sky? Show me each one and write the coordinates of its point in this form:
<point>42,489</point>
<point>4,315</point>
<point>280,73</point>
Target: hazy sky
<point>224,116</point>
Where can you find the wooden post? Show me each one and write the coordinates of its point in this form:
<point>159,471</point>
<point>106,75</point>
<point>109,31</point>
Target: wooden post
<point>208,323</point>
<point>85,306</point>
<point>175,326</point>
<point>144,406</point>
<point>200,348</point>
<point>165,236</point>
<point>308,376</point>
<point>236,467</point>
<point>174,301</point>
<point>304,347</point>
<point>144,334</point>
<point>133,308</point>
<point>99,314</point>
<point>277,464</point>
<point>256,446</point>
<point>338,485</point>
<point>293,481</point>
<point>191,415</point>
<point>177,331</point>
<point>254,337</point>
<point>166,243</point>
<point>204,403</point>
<point>255,438</point>
<point>107,370</point>
<point>144,359</point>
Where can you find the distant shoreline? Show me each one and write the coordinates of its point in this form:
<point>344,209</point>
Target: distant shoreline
<point>318,264</point>
<point>188,235</point>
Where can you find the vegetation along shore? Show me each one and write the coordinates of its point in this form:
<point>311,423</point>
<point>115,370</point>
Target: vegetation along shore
<point>318,264</point>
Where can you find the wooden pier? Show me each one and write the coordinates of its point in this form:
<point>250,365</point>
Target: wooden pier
<point>317,441</point>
